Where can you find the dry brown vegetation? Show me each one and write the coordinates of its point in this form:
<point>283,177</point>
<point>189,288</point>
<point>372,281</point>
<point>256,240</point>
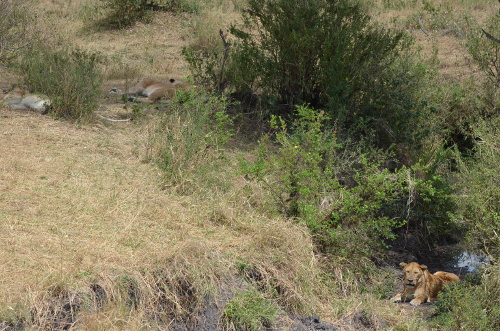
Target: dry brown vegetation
<point>80,207</point>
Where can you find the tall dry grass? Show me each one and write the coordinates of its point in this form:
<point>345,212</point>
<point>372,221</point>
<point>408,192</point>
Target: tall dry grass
<point>80,209</point>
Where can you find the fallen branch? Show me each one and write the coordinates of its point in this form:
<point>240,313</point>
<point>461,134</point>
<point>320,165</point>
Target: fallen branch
<point>113,120</point>
<point>490,37</point>
<point>423,27</point>
<point>458,29</point>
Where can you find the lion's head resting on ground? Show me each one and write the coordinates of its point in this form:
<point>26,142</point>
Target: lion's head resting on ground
<point>420,286</point>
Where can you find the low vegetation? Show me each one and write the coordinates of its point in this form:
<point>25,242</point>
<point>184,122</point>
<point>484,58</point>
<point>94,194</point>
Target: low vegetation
<point>71,79</point>
<point>337,191</point>
<point>13,27</point>
<point>249,310</point>
<point>471,304</point>
<point>191,136</point>
<point>323,143</point>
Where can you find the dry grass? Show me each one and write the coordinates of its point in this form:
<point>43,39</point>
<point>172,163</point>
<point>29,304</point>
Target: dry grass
<point>78,206</point>
<point>444,21</point>
<point>152,49</point>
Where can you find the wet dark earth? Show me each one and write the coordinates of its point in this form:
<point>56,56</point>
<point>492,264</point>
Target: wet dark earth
<point>208,317</point>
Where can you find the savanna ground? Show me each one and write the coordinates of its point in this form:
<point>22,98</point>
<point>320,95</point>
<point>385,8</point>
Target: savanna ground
<point>93,237</point>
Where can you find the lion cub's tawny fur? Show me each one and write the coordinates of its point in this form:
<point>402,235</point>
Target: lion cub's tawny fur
<point>150,90</point>
<point>420,285</point>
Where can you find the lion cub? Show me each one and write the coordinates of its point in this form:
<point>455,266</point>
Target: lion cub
<point>420,285</point>
<point>150,90</point>
<point>18,99</point>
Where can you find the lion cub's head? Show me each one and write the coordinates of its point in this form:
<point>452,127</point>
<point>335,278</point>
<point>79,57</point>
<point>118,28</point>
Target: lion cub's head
<point>413,273</point>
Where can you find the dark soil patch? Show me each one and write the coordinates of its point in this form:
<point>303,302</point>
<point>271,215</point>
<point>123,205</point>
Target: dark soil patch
<point>311,323</point>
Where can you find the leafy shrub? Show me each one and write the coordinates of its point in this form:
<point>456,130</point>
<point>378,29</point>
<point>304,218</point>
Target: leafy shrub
<point>458,114</point>
<point>192,133</point>
<point>473,304</point>
<point>483,98</point>
<point>484,50</point>
<point>70,78</point>
<point>249,310</point>
<point>454,107</point>
<point>123,13</point>
<point>339,192</point>
<point>427,206</point>
<point>467,116</point>
<point>328,54</point>
<point>477,187</point>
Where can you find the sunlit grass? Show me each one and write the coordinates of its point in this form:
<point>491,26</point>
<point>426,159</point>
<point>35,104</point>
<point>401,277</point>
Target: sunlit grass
<point>81,207</point>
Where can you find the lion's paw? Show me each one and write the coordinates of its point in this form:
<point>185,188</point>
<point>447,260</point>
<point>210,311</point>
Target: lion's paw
<point>415,303</point>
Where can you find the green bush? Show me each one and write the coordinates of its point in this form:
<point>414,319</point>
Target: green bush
<point>478,191</point>
<point>428,204</point>
<point>451,174</point>
<point>470,114</point>
<point>123,13</point>
<point>485,51</point>
<point>192,133</point>
<point>473,304</point>
<point>331,55</point>
<point>340,192</point>
<point>70,78</point>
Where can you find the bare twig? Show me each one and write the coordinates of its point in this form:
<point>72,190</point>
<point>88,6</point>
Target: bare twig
<point>458,30</point>
<point>423,27</point>
<point>222,82</point>
<point>113,120</point>
<point>490,37</point>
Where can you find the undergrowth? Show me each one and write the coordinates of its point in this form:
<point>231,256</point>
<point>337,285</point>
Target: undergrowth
<point>191,136</point>
<point>346,194</point>
<point>473,304</point>
<point>71,79</point>
<point>249,310</point>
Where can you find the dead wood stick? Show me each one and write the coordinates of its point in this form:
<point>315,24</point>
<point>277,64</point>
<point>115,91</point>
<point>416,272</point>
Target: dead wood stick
<point>423,27</point>
<point>490,37</point>
<point>112,119</point>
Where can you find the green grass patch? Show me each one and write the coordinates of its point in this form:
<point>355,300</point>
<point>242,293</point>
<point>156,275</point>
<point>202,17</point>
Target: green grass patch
<point>249,310</point>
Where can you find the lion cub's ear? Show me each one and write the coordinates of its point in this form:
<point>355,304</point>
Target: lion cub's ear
<point>423,267</point>
<point>402,264</point>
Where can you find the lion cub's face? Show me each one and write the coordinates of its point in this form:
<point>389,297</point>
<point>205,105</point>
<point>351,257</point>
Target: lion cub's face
<point>413,273</point>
